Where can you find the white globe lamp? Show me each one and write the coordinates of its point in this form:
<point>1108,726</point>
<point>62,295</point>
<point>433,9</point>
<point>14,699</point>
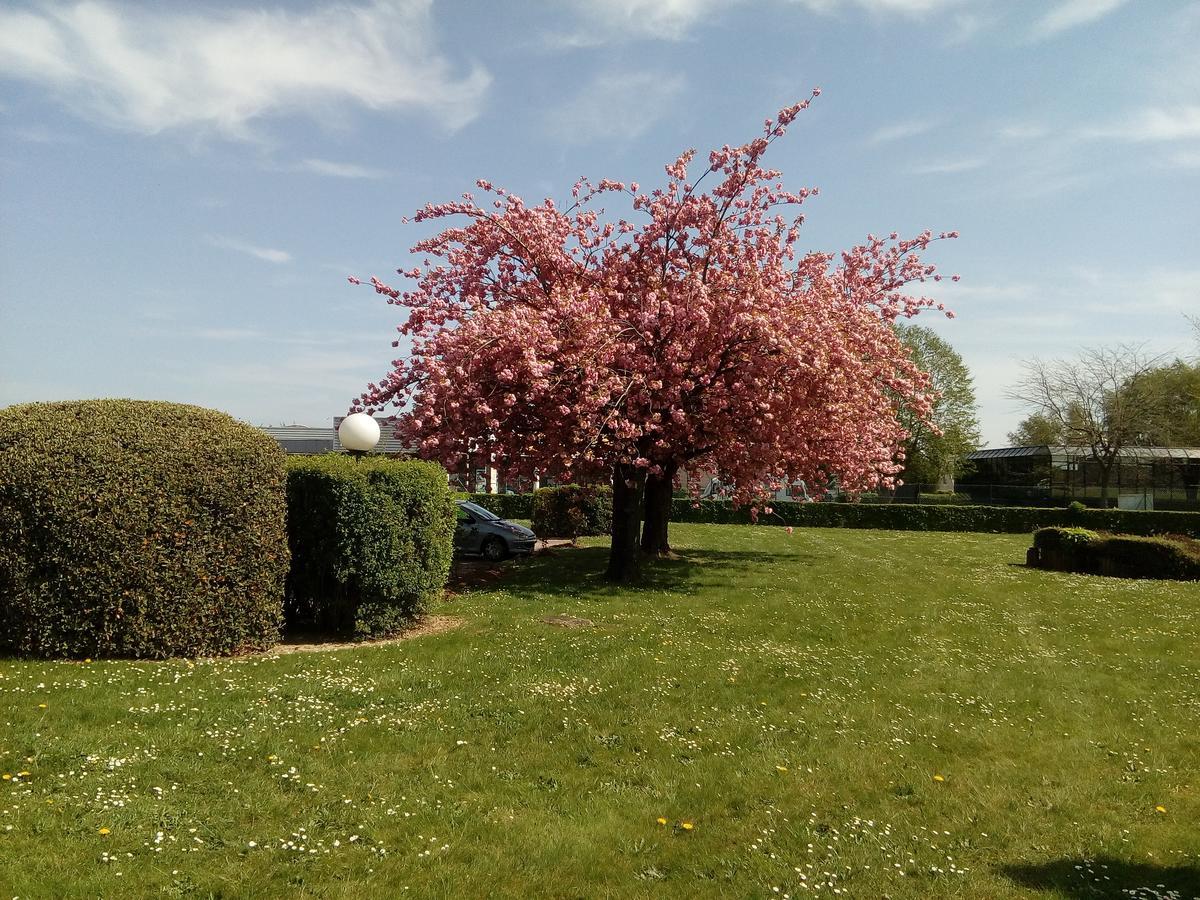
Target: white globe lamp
<point>358,433</point>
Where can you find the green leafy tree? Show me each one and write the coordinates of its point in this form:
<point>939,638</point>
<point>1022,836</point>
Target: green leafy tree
<point>1035,431</point>
<point>937,449</point>
<point>1101,402</point>
<point>1176,406</point>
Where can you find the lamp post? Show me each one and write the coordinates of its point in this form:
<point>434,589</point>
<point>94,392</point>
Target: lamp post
<point>358,433</point>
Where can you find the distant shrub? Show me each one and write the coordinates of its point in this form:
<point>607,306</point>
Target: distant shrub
<point>506,506</point>
<point>371,542</point>
<point>1124,556</point>
<point>571,511</point>
<point>138,529</point>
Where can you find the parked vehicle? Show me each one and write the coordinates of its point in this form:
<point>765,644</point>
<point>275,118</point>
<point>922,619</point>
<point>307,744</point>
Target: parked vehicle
<point>482,532</point>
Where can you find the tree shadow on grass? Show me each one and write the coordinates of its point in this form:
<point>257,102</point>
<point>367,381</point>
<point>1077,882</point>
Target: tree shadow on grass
<point>1105,877</point>
<point>579,571</point>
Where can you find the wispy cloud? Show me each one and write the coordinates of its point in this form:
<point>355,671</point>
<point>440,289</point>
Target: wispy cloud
<point>183,66</point>
<point>950,166</point>
<point>267,254</point>
<point>898,7</point>
<point>1071,14</point>
<point>674,20</point>
<point>669,20</point>
<point>611,105</point>
<point>339,170</point>
<point>1155,124</point>
<point>900,130</point>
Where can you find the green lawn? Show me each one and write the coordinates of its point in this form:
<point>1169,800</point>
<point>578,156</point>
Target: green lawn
<point>852,713</point>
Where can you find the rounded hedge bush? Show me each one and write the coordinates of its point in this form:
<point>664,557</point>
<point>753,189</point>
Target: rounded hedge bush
<point>138,529</point>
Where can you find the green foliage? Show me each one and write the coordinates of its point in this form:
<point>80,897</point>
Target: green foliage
<point>138,529</point>
<point>1124,556</point>
<point>506,506</point>
<point>371,542</point>
<point>571,510</point>
<point>930,457</point>
<point>1035,431</point>
<point>922,517</point>
<point>1175,389</point>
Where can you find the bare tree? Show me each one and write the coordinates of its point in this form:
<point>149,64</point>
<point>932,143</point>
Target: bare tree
<point>1099,401</point>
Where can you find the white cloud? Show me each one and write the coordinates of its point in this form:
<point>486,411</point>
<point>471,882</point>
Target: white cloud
<point>1073,13</point>
<point>1155,124</point>
<point>339,170</point>
<point>611,105</point>
<point>901,130</point>
<point>901,7</point>
<point>266,254</point>
<point>950,166</point>
<point>673,20</point>
<point>150,69</point>
<point>659,19</point>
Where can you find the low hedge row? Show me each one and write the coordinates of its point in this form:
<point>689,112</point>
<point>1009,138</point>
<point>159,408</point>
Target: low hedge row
<point>571,510</point>
<point>371,542</point>
<point>919,517</point>
<point>506,506</point>
<point>1123,556</point>
<point>133,528</point>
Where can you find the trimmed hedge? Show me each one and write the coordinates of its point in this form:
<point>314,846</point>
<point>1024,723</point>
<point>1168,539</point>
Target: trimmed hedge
<point>571,510</point>
<point>506,506</point>
<point>138,529</point>
<point>1123,556</point>
<point>371,542</point>
<point>919,517</point>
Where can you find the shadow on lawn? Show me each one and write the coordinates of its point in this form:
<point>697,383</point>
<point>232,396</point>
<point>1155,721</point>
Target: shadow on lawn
<point>574,571</point>
<point>1105,877</point>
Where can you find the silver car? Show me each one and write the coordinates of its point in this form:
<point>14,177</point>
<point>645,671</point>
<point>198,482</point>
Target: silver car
<point>482,532</point>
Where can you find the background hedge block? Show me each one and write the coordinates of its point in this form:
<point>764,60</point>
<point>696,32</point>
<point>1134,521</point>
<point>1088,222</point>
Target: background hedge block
<point>371,541</point>
<point>571,510</point>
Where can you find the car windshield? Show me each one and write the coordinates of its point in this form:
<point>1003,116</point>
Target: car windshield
<point>479,512</point>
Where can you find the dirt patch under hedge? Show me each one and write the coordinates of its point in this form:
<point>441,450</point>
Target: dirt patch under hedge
<point>426,626</point>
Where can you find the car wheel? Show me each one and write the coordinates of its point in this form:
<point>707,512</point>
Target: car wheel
<point>494,549</point>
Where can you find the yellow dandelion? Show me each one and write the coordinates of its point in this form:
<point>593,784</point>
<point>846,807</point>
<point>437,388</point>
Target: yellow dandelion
<point>88,659</point>
<point>7,777</point>
<point>41,706</point>
<point>105,831</point>
<point>661,821</point>
<point>686,826</point>
<point>272,758</point>
<point>1161,809</point>
<point>781,768</point>
<point>22,774</point>
<point>939,778</point>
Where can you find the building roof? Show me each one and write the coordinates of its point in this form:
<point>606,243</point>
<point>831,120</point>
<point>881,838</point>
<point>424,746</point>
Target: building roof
<point>312,439</point>
<point>1064,453</point>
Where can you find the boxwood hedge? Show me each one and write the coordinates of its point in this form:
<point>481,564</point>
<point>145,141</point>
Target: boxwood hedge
<point>1124,556</point>
<point>917,517</point>
<point>138,529</point>
<point>371,542</point>
<point>571,510</point>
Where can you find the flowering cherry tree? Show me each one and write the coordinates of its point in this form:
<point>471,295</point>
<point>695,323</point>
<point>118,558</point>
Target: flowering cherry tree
<point>691,334</point>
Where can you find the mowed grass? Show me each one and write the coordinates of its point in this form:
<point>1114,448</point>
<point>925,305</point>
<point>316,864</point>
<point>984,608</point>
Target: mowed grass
<point>832,713</point>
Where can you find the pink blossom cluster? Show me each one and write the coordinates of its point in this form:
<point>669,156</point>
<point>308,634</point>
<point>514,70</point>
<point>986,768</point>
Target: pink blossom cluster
<point>693,334</point>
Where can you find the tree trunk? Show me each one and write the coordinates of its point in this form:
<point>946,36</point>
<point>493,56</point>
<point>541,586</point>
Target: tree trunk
<point>659,489</point>
<point>623,559</point>
<point>1106,467</point>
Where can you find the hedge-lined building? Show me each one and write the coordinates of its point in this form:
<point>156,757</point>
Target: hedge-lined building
<point>1141,477</point>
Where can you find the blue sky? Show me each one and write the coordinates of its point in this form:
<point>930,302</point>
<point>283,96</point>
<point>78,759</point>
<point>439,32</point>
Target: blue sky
<point>184,187</point>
